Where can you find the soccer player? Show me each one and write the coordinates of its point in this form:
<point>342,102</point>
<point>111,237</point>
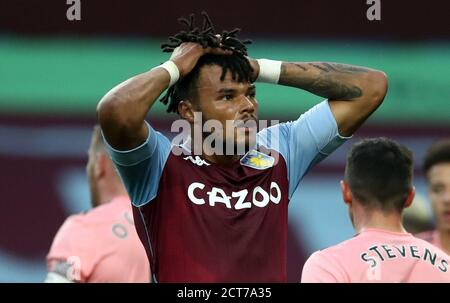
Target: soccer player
<point>436,166</point>
<point>377,187</point>
<point>208,216</point>
<point>101,245</point>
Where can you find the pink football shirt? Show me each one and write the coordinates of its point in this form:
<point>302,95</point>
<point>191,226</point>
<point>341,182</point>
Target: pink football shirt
<point>377,255</point>
<point>101,245</point>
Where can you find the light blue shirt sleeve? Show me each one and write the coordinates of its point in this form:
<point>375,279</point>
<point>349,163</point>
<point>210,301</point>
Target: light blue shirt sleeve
<point>141,168</point>
<point>304,142</point>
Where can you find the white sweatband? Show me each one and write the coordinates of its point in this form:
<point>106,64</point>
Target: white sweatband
<point>173,71</point>
<point>269,71</point>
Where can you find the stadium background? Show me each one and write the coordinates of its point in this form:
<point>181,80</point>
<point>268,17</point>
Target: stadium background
<point>54,71</point>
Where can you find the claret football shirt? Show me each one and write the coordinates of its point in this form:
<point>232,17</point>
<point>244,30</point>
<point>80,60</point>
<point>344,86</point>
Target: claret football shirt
<point>206,222</point>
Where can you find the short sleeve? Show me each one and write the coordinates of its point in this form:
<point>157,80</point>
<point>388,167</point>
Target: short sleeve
<point>304,142</point>
<point>141,168</point>
<point>318,269</point>
<point>74,246</point>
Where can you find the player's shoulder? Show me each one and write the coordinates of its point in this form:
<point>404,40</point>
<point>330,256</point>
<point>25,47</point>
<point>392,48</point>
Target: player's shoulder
<point>426,235</point>
<point>99,215</point>
<point>325,264</point>
<point>317,257</point>
<point>339,252</point>
<point>330,253</point>
<point>74,228</point>
<point>75,221</point>
<point>83,228</point>
<point>338,258</point>
<point>105,213</point>
<point>343,246</point>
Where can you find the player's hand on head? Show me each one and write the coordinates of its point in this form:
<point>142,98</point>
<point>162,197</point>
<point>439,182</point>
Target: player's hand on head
<point>218,51</point>
<point>255,67</point>
<point>187,54</point>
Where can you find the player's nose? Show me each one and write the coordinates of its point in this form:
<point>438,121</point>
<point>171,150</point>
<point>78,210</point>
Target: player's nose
<point>247,105</point>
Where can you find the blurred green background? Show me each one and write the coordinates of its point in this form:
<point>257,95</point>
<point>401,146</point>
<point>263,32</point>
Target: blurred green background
<point>71,75</point>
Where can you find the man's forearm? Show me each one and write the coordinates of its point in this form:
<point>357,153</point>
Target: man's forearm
<point>123,108</point>
<point>365,88</point>
<point>329,80</point>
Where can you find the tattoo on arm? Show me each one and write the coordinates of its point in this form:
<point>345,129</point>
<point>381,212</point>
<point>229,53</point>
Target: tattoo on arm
<point>301,66</point>
<point>329,80</point>
<point>333,89</point>
<point>339,68</point>
<point>323,68</point>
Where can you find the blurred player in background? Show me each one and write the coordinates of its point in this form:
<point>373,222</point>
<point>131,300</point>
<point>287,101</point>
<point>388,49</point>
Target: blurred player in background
<point>101,245</point>
<point>418,217</point>
<point>377,187</point>
<point>207,216</point>
<point>437,172</point>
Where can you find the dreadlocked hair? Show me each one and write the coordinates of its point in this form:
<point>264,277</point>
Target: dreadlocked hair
<point>236,63</point>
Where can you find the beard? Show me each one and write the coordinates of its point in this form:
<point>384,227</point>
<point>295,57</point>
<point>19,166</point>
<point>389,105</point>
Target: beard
<point>95,197</point>
<point>350,214</point>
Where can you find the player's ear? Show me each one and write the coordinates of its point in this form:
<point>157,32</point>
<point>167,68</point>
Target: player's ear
<point>186,110</point>
<point>100,165</point>
<point>411,196</point>
<point>346,193</point>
